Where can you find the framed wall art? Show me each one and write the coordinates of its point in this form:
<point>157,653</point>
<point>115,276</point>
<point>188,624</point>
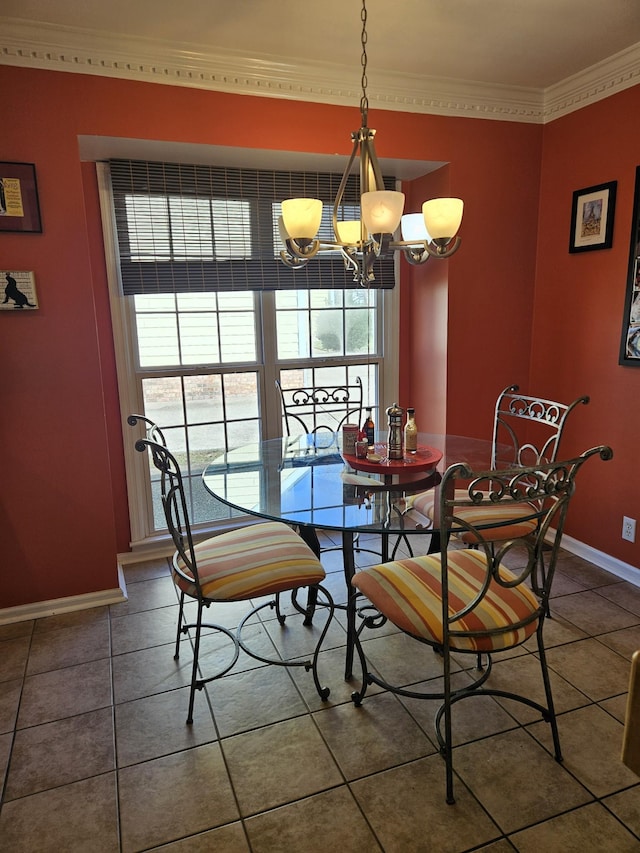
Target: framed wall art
<point>18,290</point>
<point>592,218</point>
<point>630,340</point>
<point>19,205</point>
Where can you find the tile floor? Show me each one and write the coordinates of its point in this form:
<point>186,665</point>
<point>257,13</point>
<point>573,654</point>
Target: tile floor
<point>96,756</point>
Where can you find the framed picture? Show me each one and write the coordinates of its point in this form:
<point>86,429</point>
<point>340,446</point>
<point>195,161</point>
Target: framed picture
<point>18,289</point>
<point>19,206</point>
<point>592,218</point>
<point>630,339</point>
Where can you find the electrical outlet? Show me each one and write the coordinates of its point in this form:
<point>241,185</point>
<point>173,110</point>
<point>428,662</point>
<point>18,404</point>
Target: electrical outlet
<point>629,529</point>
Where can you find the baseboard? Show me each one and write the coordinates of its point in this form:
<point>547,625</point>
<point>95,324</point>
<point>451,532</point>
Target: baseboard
<point>53,607</point>
<point>40,609</point>
<point>624,571</point>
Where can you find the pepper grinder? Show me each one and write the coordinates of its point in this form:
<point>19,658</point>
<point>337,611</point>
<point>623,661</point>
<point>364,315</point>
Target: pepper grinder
<point>394,442</point>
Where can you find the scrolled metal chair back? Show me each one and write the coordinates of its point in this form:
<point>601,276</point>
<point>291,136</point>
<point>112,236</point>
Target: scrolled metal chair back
<point>152,430</point>
<point>530,426</point>
<point>321,409</point>
<point>174,505</point>
<point>544,491</point>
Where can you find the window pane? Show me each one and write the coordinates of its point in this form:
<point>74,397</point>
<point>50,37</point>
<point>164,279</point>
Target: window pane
<point>241,397</point>
<point>163,400</point>
<point>206,443</point>
<point>292,299</point>
<point>196,301</point>
<point>326,298</point>
<point>327,337</point>
<point>360,331</point>
<point>203,398</point>
<point>199,338</point>
<point>293,334</point>
<point>238,301</point>
<point>155,302</point>
<point>157,340</point>
<point>237,337</point>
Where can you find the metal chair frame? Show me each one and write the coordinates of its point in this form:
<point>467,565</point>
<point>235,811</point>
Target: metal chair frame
<point>545,490</point>
<point>185,566</point>
<point>544,418</point>
<point>321,409</point>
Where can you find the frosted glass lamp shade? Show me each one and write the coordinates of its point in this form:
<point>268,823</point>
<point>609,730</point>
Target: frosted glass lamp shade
<point>301,217</point>
<point>349,232</point>
<point>442,217</point>
<point>282,231</point>
<point>381,211</point>
<point>413,228</point>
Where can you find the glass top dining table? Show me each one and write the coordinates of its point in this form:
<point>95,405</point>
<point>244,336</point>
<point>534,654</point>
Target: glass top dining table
<point>305,481</point>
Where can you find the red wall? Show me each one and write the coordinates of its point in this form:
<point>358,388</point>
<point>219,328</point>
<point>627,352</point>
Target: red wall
<point>63,513</point>
<point>577,321</point>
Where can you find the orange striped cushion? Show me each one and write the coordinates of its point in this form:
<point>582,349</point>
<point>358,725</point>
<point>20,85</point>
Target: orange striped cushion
<point>262,559</point>
<point>409,593</point>
<point>502,512</point>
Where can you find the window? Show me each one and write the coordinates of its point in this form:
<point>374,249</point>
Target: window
<point>202,362</point>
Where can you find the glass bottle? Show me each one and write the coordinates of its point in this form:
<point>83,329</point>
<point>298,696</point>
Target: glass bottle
<point>411,432</point>
<point>369,427</point>
<point>394,443</point>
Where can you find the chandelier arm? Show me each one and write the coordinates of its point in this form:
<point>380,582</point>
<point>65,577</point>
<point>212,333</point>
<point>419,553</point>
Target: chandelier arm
<point>443,250</point>
<point>370,172</point>
<point>293,262</point>
<point>305,252</point>
<point>343,184</point>
<point>415,256</point>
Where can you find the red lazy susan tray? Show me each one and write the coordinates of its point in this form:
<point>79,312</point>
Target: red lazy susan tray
<point>424,459</point>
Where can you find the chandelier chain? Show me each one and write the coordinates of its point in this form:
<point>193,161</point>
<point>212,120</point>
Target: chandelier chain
<point>364,101</point>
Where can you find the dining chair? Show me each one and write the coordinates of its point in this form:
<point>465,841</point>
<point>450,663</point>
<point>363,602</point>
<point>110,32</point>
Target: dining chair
<point>526,431</point>
<point>482,600</point>
<point>255,564</point>
<point>321,410</point>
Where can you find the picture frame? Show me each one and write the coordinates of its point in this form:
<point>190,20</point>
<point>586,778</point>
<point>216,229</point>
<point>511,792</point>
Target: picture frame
<point>592,215</point>
<point>18,291</point>
<point>19,203</point>
<point>630,337</point>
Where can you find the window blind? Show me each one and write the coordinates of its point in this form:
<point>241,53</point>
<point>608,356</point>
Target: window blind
<point>194,228</point>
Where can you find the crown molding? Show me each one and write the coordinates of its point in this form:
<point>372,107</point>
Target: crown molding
<point>618,72</point>
<point>81,51</point>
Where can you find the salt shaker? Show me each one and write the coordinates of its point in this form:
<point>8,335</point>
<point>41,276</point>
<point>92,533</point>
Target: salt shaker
<point>394,442</point>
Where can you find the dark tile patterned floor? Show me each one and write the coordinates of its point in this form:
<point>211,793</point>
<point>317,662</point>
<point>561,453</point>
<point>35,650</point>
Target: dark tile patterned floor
<point>96,756</point>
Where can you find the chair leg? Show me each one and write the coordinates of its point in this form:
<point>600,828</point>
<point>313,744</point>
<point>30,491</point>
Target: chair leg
<point>310,537</point>
<point>447,750</point>
<point>551,714</point>
<point>194,669</point>
<point>181,629</point>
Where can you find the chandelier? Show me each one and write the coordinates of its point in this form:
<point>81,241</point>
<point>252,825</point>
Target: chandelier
<point>431,233</point>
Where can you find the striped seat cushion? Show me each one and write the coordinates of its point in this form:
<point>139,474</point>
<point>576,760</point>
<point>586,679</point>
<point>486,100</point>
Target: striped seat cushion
<point>409,593</point>
<point>485,514</point>
<point>262,559</point>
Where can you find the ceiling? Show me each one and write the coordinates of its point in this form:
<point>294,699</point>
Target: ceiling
<point>529,60</point>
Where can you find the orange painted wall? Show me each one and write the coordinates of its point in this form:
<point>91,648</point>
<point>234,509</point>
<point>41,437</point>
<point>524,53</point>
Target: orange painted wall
<point>577,321</point>
<point>63,515</point>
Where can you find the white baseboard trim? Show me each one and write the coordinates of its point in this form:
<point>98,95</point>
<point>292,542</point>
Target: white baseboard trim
<point>625,571</point>
<point>53,607</point>
<point>40,609</point>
